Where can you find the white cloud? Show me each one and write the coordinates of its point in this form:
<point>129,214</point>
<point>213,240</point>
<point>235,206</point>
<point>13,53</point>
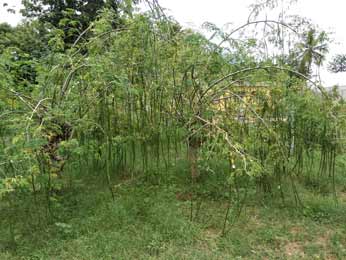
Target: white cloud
<point>8,17</point>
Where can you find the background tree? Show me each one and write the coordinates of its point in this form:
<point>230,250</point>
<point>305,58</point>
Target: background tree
<point>29,37</point>
<point>73,17</point>
<point>20,49</point>
<point>312,50</point>
<point>53,11</point>
<point>338,64</point>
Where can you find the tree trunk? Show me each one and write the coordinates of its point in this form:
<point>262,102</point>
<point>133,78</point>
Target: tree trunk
<point>193,146</point>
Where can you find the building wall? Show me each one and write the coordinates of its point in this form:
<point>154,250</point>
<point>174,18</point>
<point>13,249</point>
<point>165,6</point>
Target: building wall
<point>341,90</point>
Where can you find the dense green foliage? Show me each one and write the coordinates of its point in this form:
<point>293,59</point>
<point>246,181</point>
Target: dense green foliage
<point>162,119</point>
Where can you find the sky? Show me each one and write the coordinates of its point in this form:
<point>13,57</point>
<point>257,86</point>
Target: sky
<point>329,15</point>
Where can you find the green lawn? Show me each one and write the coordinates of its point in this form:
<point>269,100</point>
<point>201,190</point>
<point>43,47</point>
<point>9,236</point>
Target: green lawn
<point>150,221</point>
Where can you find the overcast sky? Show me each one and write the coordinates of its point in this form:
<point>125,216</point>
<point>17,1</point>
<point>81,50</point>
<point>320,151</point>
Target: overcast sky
<point>329,15</point>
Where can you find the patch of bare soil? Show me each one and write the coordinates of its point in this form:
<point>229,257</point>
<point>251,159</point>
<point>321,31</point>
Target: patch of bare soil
<point>211,233</point>
<point>296,230</point>
<point>294,249</point>
<point>324,238</point>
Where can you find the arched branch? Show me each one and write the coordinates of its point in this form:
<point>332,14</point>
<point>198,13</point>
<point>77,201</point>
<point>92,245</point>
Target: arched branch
<point>319,87</point>
<point>256,22</point>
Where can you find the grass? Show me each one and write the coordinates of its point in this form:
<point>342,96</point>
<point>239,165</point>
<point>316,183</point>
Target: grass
<point>150,221</point>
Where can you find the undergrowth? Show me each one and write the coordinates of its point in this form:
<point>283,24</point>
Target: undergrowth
<point>151,221</point>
